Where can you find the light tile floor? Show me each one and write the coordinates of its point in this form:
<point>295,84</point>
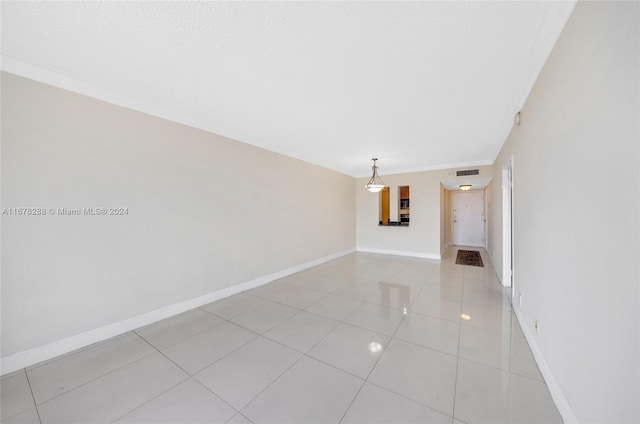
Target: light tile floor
<point>362,339</point>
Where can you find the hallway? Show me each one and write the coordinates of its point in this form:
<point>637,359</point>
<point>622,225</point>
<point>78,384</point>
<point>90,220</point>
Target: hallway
<point>364,338</point>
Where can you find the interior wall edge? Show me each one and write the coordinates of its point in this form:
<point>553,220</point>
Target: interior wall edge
<point>560,400</point>
<point>493,265</point>
<point>51,350</point>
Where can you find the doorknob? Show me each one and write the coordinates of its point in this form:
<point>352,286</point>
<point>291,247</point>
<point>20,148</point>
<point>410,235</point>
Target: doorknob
<point>455,220</point>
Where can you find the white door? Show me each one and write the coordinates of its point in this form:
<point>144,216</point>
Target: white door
<point>468,218</point>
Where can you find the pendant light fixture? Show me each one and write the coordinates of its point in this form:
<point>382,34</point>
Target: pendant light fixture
<point>375,184</point>
<point>465,187</point>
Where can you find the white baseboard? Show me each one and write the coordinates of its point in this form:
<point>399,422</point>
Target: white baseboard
<point>400,253</point>
<point>568,416</point>
<point>60,347</point>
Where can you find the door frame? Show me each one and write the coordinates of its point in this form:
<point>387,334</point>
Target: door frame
<point>485,213</point>
<point>507,226</point>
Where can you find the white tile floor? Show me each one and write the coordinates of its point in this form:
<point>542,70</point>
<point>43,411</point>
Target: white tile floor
<point>362,339</point>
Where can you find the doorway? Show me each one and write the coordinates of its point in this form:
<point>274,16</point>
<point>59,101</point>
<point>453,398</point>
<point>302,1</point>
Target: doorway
<point>385,210</point>
<point>507,226</point>
<point>468,218</point>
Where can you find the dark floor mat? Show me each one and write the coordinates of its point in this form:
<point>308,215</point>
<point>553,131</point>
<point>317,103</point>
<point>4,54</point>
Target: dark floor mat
<point>469,257</point>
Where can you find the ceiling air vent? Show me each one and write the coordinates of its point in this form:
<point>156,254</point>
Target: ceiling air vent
<point>467,172</point>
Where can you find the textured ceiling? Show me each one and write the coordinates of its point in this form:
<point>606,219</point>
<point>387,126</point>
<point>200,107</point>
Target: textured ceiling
<point>420,85</point>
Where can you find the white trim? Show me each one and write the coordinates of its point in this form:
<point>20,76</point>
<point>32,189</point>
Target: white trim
<point>568,416</point>
<point>542,47</point>
<point>485,218</point>
<point>507,226</point>
<point>27,70</point>
<point>400,253</point>
<point>36,73</point>
<point>59,347</point>
<point>455,166</point>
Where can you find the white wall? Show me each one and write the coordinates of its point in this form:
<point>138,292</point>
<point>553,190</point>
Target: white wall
<point>205,213</point>
<point>422,237</point>
<point>576,211</point>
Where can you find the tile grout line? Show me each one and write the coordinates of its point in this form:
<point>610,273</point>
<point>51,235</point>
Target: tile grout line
<point>285,304</point>
<point>161,353</point>
<point>457,363</point>
<point>110,372</point>
<point>97,378</point>
<point>222,320</point>
<point>270,384</point>
<point>192,376</point>
<point>426,347</point>
<point>424,405</point>
<point>240,347</point>
<point>243,416</point>
<point>35,405</point>
<point>455,384</point>
<point>228,353</point>
<point>149,400</point>
<point>453,355</point>
<point>363,381</point>
<point>115,369</point>
<point>189,375</point>
<point>427,406</point>
<point>293,348</point>
<point>303,355</point>
<point>379,359</point>
<point>476,362</point>
<point>217,396</point>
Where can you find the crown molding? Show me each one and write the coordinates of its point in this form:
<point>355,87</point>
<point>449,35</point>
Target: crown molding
<point>430,168</point>
<point>45,76</point>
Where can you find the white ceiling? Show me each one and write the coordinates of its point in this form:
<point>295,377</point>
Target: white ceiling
<point>420,85</point>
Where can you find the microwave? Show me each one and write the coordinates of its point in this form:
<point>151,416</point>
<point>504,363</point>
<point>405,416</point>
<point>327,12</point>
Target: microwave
<point>404,203</point>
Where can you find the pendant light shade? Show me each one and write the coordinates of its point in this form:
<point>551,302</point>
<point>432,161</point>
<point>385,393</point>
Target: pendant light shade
<point>375,184</point>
